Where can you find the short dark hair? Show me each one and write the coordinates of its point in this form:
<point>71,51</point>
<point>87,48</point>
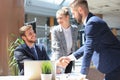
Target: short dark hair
<point>23,29</point>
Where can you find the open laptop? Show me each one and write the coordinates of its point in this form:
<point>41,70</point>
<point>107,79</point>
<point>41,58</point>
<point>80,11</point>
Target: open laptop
<point>32,70</point>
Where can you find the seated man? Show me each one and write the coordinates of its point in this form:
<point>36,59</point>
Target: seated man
<point>29,50</point>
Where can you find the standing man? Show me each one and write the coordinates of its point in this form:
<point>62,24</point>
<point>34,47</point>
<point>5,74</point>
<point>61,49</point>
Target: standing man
<point>29,50</point>
<point>101,45</point>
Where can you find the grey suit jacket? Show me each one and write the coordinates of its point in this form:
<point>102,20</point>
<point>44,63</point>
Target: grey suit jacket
<point>59,46</point>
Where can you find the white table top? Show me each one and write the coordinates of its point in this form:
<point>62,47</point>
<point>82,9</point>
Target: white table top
<point>13,78</point>
<point>71,76</point>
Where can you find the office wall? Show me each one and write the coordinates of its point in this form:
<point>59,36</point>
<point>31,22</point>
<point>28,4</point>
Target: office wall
<point>11,18</point>
<point>112,20</point>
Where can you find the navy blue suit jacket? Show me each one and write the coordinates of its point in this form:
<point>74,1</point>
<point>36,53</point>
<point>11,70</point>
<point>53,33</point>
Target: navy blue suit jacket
<point>23,53</point>
<point>101,46</point>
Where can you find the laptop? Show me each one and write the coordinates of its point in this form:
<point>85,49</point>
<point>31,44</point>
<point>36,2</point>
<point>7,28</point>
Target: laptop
<point>32,69</point>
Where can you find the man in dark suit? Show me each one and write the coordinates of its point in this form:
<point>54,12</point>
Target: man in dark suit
<point>100,46</point>
<point>29,50</point>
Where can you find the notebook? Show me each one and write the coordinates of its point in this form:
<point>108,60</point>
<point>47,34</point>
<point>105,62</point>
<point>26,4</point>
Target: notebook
<point>32,70</point>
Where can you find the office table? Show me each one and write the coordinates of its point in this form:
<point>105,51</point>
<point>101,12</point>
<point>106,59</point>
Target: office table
<point>70,76</point>
<point>13,78</point>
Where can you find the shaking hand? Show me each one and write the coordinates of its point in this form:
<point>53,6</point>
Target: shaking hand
<point>63,61</point>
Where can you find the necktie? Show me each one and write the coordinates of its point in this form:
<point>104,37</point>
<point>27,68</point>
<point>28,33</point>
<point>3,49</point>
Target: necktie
<point>82,35</point>
<point>34,53</point>
<point>84,32</point>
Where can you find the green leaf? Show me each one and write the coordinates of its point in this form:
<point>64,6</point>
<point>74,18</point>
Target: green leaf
<point>13,66</point>
<point>46,67</point>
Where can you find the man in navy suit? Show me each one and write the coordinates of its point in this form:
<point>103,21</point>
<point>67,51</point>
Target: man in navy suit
<point>29,50</point>
<point>100,46</point>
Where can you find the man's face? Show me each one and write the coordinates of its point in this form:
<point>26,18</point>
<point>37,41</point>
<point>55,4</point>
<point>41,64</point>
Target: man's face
<point>62,19</point>
<point>30,36</point>
<point>76,15</point>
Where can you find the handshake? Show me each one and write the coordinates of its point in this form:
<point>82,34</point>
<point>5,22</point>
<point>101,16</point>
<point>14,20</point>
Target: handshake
<point>63,62</point>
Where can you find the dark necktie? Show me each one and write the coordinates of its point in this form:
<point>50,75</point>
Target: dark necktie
<point>34,53</point>
<point>84,33</point>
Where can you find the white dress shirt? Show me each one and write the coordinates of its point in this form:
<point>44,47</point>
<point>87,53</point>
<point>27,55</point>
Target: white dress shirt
<point>68,38</point>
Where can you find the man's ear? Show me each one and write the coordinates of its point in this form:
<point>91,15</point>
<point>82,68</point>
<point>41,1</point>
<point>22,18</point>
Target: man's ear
<point>23,37</point>
<point>79,9</point>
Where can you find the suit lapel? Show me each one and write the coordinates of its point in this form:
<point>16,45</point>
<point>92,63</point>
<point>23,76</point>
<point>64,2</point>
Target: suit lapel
<point>73,36</point>
<point>89,16</point>
<point>27,50</point>
<point>62,37</point>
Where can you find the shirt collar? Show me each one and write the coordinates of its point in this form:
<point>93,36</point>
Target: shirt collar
<point>66,29</point>
<point>32,46</point>
<point>84,22</point>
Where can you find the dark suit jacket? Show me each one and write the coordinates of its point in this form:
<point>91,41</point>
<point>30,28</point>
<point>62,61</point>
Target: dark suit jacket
<point>23,53</point>
<point>101,46</point>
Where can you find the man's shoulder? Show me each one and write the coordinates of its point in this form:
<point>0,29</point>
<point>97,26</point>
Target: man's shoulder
<point>41,46</point>
<point>95,19</point>
<point>21,46</point>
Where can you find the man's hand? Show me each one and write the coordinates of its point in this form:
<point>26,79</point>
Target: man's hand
<point>63,62</point>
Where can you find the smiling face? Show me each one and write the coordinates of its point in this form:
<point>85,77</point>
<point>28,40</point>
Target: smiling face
<point>30,36</point>
<point>62,16</point>
<point>62,19</point>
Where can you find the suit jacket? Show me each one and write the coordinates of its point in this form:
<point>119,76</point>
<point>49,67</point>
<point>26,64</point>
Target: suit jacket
<point>101,46</point>
<point>59,46</point>
<point>23,53</point>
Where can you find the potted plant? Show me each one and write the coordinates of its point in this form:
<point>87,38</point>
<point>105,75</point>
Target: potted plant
<point>13,66</point>
<point>47,69</point>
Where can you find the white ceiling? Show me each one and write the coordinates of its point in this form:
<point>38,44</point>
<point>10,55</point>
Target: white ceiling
<point>96,6</point>
<point>105,6</point>
<point>102,6</point>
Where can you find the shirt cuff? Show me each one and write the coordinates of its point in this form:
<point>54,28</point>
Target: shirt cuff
<point>72,57</point>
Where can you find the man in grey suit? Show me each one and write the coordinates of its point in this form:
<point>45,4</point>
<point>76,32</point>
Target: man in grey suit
<point>101,46</point>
